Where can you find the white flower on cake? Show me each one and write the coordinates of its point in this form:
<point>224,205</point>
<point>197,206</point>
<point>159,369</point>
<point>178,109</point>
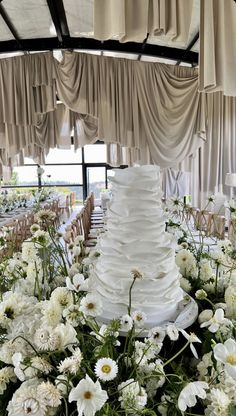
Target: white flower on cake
<point>139,318</point>
<point>226,354</point>
<point>191,339</point>
<point>216,321</point>
<point>187,397</point>
<point>106,369</point>
<point>89,397</point>
<point>126,323</point>
<point>76,283</point>
<point>91,305</point>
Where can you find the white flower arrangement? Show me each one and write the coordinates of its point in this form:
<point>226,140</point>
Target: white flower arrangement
<point>55,359</point>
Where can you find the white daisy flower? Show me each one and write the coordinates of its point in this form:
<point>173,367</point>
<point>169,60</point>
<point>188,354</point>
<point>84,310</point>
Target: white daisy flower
<point>139,318</point>
<point>187,397</point>
<point>226,354</point>
<point>52,315</point>
<point>51,394</point>
<point>106,369</point>
<point>126,323</point>
<point>216,321</point>
<point>191,338</point>
<point>91,305</point>
<point>89,397</point>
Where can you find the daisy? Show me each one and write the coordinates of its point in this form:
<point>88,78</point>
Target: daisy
<point>226,354</point>
<point>72,315</point>
<point>41,364</point>
<point>187,397</point>
<point>89,397</point>
<point>191,338</point>
<point>91,305</point>
<point>139,318</point>
<point>106,369</point>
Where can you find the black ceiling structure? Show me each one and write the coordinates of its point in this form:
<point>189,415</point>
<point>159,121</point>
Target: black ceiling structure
<point>63,40</point>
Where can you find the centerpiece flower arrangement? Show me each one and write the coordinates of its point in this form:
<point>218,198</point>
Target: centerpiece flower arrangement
<point>57,359</point>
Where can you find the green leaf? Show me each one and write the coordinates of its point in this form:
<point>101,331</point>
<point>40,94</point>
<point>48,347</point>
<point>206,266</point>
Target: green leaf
<point>232,411</point>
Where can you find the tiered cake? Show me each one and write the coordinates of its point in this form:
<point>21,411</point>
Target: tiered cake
<point>136,239</point>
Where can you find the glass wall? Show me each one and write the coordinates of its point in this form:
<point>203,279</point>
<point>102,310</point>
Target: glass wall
<point>83,171</point>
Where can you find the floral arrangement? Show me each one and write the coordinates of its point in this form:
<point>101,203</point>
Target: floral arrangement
<point>57,359</point>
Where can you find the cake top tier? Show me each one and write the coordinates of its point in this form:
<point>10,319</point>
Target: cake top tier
<point>135,175</point>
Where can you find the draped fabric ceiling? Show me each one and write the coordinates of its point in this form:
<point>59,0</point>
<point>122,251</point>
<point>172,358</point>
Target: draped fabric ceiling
<point>146,112</point>
<point>153,108</point>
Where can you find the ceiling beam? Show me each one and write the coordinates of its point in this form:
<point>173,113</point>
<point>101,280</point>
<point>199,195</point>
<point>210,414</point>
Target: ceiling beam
<point>58,15</point>
<point>9,24</point>
<point>191,44</point>
<point>143,47</point>
<point>43,44</point>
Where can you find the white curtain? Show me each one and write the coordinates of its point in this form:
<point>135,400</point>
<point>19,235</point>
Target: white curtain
<point>218,46</point>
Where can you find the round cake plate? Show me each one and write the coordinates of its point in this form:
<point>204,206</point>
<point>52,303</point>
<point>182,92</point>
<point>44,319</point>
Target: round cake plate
<point>187,313</point>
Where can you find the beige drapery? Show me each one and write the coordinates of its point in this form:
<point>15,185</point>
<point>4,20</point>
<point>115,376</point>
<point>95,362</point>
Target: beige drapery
<point>217,155</point>
<point>217,46</point>
<point>31,122</point>
<point>132,20</point>
<point>136,104</point>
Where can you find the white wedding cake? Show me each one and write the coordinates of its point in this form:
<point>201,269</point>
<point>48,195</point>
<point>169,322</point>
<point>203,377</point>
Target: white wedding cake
<point>135,238</point>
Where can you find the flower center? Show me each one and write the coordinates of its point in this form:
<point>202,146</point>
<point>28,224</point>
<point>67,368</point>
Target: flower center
<point>87,395</point>
<point>9,312</point>
<point>90,305</point>
<point>231,359</point>
<point>184,258</point>
<point>138,317</point>
<point>106,369</point>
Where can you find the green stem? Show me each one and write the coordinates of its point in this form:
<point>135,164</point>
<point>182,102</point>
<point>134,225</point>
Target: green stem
<point>130,296</point>
<point>177,354</point>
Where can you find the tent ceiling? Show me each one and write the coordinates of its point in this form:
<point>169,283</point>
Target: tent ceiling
<point>36,25</point>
